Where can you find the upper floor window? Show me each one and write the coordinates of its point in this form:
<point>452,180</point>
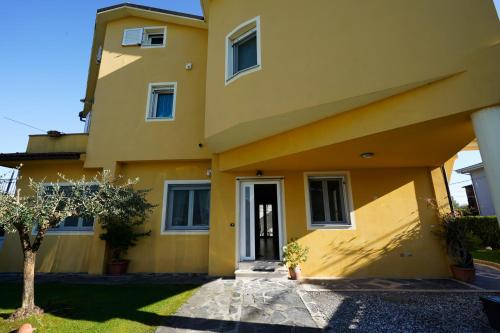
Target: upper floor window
<point>145,37</point>
<point>161,101</point>
<point>243,49</point>
<point>88,120</point>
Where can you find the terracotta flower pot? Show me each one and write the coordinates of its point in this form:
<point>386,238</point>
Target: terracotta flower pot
<point>295,273</point>
<point>463,274</point>
<point>118,267</point>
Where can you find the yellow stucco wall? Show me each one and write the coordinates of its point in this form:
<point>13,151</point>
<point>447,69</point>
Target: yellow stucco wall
<point>119,131</point>
<point>167,253</point>
<point>330,56</point>
<point>86,253</point>
<point>58,253</point>
<point>392,221</point>
<point>410,105</point>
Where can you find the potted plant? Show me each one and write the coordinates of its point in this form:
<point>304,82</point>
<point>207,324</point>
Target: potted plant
<point>120,236</point>
<point>126,212</point>
<point>459,244</point>
<point>293,255</point>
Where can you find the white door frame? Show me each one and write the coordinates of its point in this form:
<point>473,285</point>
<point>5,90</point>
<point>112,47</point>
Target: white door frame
<point>241,183</point>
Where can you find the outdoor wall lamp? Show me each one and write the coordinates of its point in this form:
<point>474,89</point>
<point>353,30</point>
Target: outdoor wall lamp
<point>367,154</point>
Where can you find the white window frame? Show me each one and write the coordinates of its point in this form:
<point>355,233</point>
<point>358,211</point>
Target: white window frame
<point>69,230</point>
<point>151,101</point>
<point>237,34</point>
<point>349,207</point>
<point>145,34</point>
<point>164,222</point>
<point>2,239</point>
<point>88,121</point>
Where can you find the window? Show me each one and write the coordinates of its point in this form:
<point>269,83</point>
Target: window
<point>161,101</point>
<point>73,223</point>
<point>145,37</point>
<point>243,49</point>
<point>328,202</point>
<point>154,37</point>
<point>187,206</point>
<point>88,121</point>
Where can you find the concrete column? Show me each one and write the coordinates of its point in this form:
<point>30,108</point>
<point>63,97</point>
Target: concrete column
<point>486,124</point>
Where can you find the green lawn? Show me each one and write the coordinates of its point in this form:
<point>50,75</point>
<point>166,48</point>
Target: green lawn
<point>493,255</point>
<point>96,308</point>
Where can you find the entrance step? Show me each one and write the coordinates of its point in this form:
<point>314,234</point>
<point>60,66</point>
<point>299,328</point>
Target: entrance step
<point>274,270</point>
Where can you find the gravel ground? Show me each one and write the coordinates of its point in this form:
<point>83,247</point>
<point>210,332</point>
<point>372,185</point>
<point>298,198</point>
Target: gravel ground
<point>401,312</point>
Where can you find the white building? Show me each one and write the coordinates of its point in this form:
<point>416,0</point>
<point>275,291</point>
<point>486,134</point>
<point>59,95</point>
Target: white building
<point>481,188</point>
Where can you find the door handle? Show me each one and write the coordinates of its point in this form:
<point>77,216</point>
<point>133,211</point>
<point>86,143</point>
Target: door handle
<point>231,225</point>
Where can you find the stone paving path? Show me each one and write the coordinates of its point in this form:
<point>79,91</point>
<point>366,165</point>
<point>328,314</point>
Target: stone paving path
<point>487,277</point>
<point>243,306</point>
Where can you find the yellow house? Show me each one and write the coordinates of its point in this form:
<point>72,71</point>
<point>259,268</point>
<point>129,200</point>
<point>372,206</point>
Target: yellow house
<point>330,122</point>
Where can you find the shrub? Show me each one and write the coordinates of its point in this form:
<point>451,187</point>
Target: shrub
<point>485,228</point>
<point>459,240</point>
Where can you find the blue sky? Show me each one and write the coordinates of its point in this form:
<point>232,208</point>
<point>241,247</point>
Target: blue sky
<point>45,56</point>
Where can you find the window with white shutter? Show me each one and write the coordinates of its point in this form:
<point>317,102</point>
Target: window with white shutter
<point>132,36</point>
<point>145,37</point>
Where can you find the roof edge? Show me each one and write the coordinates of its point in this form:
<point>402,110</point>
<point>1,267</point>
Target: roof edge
<point>470,168</point>
<point>15,157</point>
<point>151,9</point>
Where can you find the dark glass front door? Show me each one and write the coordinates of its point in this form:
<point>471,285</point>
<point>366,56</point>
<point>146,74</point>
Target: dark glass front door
<point>266,222</point>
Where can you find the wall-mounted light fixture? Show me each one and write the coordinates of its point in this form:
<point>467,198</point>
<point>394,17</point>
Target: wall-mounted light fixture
<point>367,154</point>
<point>259,173</point>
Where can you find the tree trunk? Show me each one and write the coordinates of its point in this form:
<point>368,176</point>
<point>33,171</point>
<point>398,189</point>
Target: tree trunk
<point>28,307</point>
<point>29,281</point>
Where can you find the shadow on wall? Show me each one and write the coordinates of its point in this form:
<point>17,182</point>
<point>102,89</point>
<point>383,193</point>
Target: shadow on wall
<point>386,243</point>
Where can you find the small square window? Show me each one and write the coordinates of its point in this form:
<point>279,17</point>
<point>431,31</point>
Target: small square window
<point>145,37</point>
<point>154,37</point>
<point>187,207</point>
<point>243,49</point>
<point>328,203</point>
<point>161,101</point>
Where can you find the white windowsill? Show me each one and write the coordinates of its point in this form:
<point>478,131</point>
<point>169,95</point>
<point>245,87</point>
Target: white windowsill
<point>66,233</point>
<point>185,232</point>
<point>330,227</point>
<point>160,119</point>
<point>151,46</point>
<point>243,73</point>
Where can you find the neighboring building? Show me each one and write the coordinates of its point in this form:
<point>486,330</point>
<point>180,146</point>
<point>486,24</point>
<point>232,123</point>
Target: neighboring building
<point>335,116</point>
<point>471,199</point>
<point>479,192</point>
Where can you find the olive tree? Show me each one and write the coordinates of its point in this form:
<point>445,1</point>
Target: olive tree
<point>43,207</point>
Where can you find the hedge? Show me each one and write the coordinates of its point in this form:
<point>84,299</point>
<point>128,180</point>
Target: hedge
<point>484,227</point>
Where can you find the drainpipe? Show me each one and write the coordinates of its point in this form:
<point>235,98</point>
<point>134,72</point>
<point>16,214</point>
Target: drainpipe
<point>445,178</point>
